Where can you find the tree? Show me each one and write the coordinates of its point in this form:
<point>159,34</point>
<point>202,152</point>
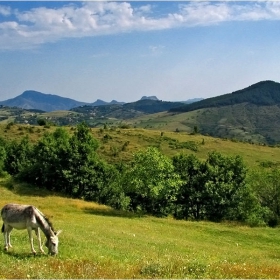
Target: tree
<point>48,158</point>
<point>18,156</point>
<point>225,182</point>
<point>265,183</point>
<point>151,183</point>
<point>3,145</point>
<point>41,122</point>
<point>192,194</point>
<point>210,189</point>
<point>82,165</point>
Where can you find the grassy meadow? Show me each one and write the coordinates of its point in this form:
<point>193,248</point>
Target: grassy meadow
<point>118,144</point>
<point>98,242</point>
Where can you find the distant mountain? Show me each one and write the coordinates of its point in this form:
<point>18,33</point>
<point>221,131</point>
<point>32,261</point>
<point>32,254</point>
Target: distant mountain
<point>151,106</point>
<point>189,101</point>
<point>263,93</point>
<point>100,102</point>
<point>128,110</point>
<point>32,99</point>
<point>251,114</point>
<point>149,98</point>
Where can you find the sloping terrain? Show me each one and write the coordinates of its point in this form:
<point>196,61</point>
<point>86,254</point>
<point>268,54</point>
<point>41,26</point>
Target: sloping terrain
<point>264,93</point>
<point>251,114</point>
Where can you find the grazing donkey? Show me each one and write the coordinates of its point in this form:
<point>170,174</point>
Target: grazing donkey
<point>30,218</point>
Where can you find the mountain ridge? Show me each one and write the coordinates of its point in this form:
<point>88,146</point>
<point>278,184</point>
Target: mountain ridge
<point>32,99</point>
<point>261,93</point>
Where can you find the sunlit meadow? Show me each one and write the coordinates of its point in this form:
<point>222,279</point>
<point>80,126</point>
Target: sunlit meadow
<point>98,242</point>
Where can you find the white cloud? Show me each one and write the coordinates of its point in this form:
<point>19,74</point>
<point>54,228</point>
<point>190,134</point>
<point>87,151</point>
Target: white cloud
<point>5,11</point>
<point>41,25</point>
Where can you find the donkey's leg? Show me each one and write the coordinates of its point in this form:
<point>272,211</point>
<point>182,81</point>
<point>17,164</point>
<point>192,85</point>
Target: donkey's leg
<point>37,231</point>
<point>29,229</point>
<point>7,236</point>
<point>4,229</point>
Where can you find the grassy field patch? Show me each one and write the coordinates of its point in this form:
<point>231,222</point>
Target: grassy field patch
<point>99,242</point>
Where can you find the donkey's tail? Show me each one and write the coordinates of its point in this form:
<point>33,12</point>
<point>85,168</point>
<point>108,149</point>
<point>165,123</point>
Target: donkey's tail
<point>2,228</point>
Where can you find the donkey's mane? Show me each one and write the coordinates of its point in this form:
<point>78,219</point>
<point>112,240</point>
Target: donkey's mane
<point>47,220</point>
<point>49,223</point>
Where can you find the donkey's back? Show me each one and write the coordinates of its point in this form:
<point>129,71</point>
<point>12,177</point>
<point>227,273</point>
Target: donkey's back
<point>18,216</point>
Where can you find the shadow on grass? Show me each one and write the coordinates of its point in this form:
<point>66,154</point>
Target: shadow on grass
<point>21,188</point>
<point>112,213</point>
<point>25,256</point>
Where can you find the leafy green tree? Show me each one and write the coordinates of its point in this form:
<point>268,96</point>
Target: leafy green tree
<point>70,164</point>
<point>192,194</point>
<point>3,145</point>
<point>265,183</point>
<point>211,189</point>
<point>18,156</point>
<point>41,122</point>
<point>82,165</point>
<point>225,181</point>
<point>49,157</point>
<point>151,183</point>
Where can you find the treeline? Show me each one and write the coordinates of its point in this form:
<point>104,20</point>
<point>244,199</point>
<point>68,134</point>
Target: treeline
<point>219,188</point>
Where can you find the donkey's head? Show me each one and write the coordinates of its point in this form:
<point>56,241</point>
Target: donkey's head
<point>52,243</point>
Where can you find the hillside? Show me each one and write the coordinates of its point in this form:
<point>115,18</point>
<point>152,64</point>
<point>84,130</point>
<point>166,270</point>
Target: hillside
<point>124,245</point>
<point>242,122</point>
<point>264,93</point>
<point>119,144</point>
<point>31,99</point>
<point>251,114</point>
<point>35,100</point>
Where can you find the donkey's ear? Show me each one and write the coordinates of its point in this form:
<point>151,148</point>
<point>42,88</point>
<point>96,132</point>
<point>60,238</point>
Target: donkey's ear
<point>58,232</point>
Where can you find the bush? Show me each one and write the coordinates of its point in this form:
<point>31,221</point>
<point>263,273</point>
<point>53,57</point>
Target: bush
<point>151,183</point>
<point>265,183</point>
<point>210,189</point>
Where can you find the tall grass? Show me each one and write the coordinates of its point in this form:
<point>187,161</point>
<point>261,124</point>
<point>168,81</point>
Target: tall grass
<point>98,242</point>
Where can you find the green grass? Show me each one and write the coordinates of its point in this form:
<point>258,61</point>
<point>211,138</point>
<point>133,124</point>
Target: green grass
<point>121,144</point>
<point>98,242</point>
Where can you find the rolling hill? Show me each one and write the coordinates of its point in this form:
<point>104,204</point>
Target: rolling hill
<point>264,93</point>
<point>251,114</point>
<point>32,99</point>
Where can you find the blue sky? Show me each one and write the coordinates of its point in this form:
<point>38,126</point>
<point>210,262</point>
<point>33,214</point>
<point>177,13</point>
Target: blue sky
<point>125,50</point>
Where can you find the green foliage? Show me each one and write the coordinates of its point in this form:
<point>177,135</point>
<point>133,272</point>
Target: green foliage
<point>211,189</point>
<point>68,164</point>
<point>18,156</point>
<point>192,194</point>
<point>3,145</point>
<point>184,186</point>
<point>41,122</point>
<point>225,179</point>
<point>266,184</point>
<point>151,183</point>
